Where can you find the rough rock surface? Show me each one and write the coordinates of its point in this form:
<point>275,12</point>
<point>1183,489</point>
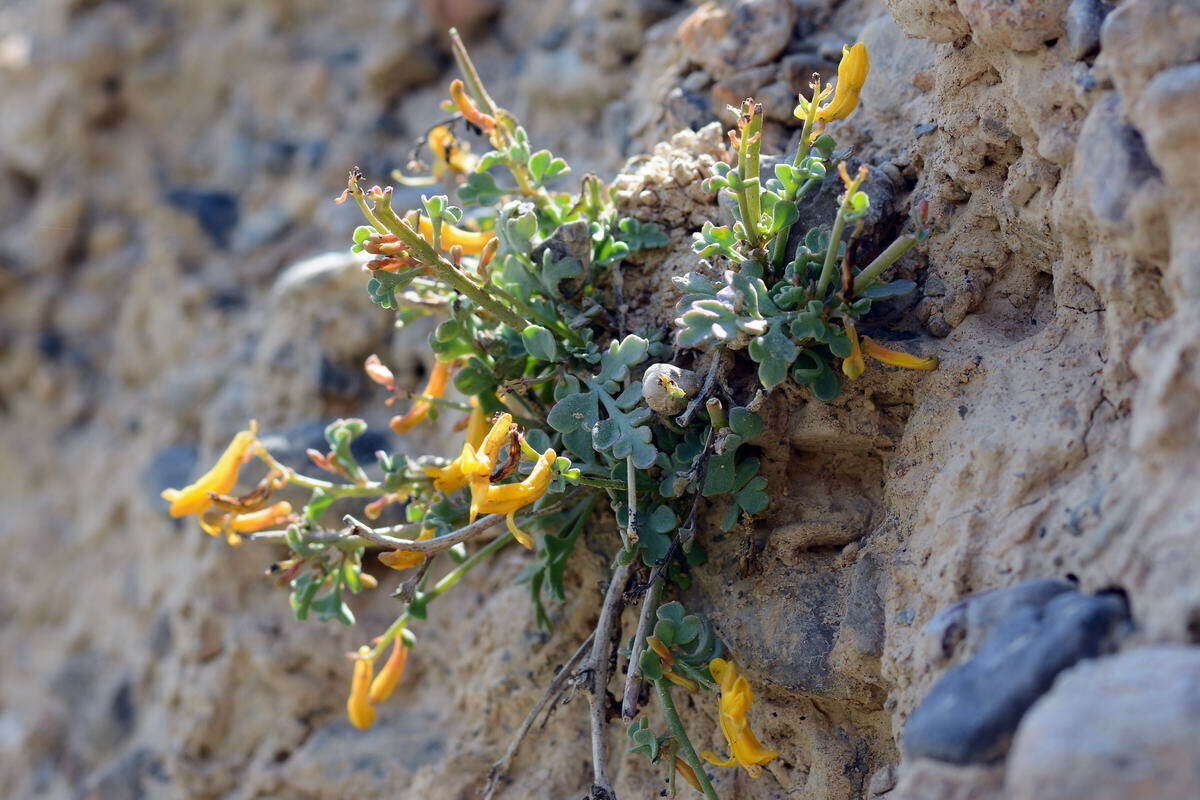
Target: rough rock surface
<point>160,166</point>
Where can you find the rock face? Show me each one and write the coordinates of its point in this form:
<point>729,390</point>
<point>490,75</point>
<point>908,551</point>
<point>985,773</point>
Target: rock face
<point>1075,742</point>
<point>1029,634</point>
<point>161,165</point>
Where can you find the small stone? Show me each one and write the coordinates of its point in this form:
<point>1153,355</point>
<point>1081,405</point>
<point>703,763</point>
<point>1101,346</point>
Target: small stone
<point>1119,728</point>
<point>1022,25</point>
<point>1031,633</point>
<point>217,212</point>
<point>864,607</point>
<point>924,128</point>
<point>883,781</point>
<point>1084,18</point>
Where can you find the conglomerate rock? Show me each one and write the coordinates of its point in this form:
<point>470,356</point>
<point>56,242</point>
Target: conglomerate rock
<point>161,164</point>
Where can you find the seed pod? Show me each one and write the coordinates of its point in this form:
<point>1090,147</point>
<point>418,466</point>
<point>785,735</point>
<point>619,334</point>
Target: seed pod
<point>667,388</point>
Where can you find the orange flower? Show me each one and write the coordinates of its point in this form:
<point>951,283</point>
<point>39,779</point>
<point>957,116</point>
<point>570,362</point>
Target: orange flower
<point>458,94</point>
<point>358,704</point>
<point>736,697</point>
<point>195,499</point>
<point>234,524</point>
<point>406,559</point>
<point>435,387</point>
<point>385,682</point>
<point>897,358</point>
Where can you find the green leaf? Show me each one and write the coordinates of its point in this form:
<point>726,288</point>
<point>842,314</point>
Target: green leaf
<point>475,378</point>
<point>664,631</point>
<point>304,589</point>
<point>662,520</point>
<point>774,352</point>
<point>480,189</point>
<point>672,611</point>
<point>641,235</point>
<point>719,477</point>
<point>745,423</point>
<point>839,343</point>
<point>651,665</point>
<point>557,270</point>
<point>575,411</point>
<point>712,241</point>
<point>317,505</point>
<point>539,343</point>
<point>688,630</point>
<point>813,371</point>
<point>783,215</point>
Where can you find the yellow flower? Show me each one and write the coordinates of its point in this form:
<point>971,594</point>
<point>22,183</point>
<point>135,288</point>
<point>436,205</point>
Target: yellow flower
<point>508,498</point>
<point>385,682</point>
<point>736,697</point>
<point>448,153</point>
<point>897,358</point>
<point>852,365</point>
<point>406,559</point>
<point>451,478</point>
<point>358,704</point>
<point>234,524</point>
<point>478,463</point>
<point>435,387</point>
<point>852,74</point>
<point>221,479</point>
<point>471,242</point>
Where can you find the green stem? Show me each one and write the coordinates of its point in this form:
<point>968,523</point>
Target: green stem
<point>835,239</point>
<point>685,744</point>
<point>601,483</point>
<point>445,270</point>
<point>471,75</point>
<point>372,489</point>
<point>890,256</point>
<point>779,244</point>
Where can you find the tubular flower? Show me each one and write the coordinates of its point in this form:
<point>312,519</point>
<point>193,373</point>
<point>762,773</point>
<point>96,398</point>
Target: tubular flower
<point>471,242</point>
<point>477,463</point>
<point>508,498</point>
<point>406,559</point>
<point>465,106</point>
<point>435,387</point>
<point>358,705</point>
<point>448,153</point>
<point>232,525</point>
<point>852,74</point>
<point>736,697</point>
<point>195,498</point>
<point>385,682</point>
<point>451,478</point>
<point>897,358</point>
<point>853,365</point>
